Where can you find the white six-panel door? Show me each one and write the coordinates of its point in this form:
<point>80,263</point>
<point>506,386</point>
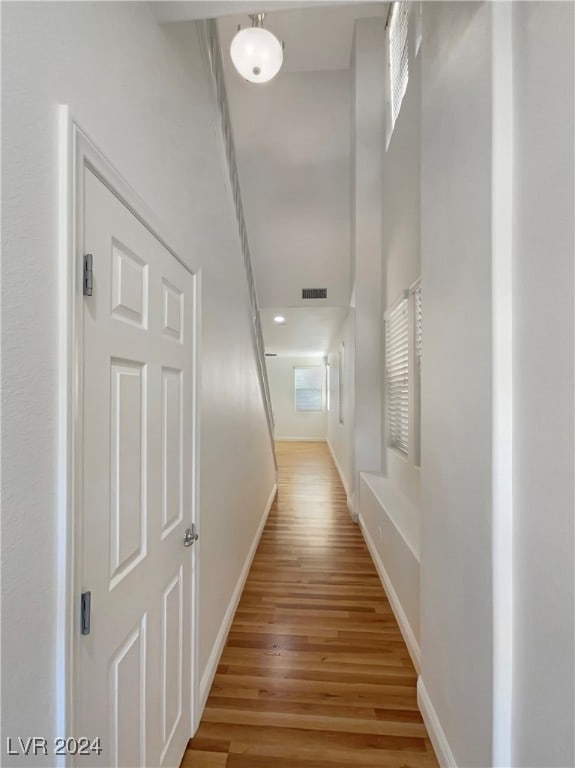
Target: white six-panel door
<point>134,667</point>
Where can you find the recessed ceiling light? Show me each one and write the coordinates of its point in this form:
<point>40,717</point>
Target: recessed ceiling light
<point>279,319</point>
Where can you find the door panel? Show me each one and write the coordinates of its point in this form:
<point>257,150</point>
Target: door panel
<point>173,312</point>
<point>134,671</point>
<point>172,658</point>
<point>129,286</point>
<point>128,699</point>
<point>127,468</point>
<point>172,450</point>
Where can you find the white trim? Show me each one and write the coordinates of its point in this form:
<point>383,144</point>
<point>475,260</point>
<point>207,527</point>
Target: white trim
<point>351,509</point>
<point>502,534</point>
<point>77,153</point>
<point>398,612</point>
<point>337,466</point>
<point>350,497</point>
<point>195,611</point>
<point>220,641</point>
<point>437,736</point>
<point>300,440</point>
<point>67,430</point>
<point>413,546</point>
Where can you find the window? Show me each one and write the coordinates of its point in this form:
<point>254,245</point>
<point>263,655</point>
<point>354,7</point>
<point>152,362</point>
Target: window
<point>397,374</point>
<point>397,56</point>
<point>340,382</point>
<point>418,19</point>
<point>327,387</point>
<point>309,388</point>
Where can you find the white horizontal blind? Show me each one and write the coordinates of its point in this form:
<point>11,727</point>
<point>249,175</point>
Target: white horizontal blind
<point>417,348</point>
<point>418,326</point>
<point>398,57</point>
<point>309,388</point>
<point>341,381</point>
<point>397,375</point>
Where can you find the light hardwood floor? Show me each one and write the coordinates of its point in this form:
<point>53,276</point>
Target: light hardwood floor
<point>315,672</point>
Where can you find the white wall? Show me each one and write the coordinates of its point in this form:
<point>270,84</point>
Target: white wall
<point>391,530</point>
<point>341,436</point>
<point>456,480</point>
<point>401,248</point>
<point>141,93</point>
<point>289,424</point>
<point>543,670</point>
<point>386,260</point>
<point>368,108</point>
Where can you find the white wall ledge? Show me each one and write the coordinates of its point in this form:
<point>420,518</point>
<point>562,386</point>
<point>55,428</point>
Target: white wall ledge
<point>404,515</point>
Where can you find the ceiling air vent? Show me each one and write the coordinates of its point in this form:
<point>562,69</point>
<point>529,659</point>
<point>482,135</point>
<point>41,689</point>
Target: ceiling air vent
<point>314,293</point>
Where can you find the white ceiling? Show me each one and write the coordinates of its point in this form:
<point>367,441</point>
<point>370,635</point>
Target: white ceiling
<point>191,10</point>
<point>292,143</point>
<point>307,332</point>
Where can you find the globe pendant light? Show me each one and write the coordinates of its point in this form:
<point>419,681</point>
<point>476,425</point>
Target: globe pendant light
<point>257,54</point>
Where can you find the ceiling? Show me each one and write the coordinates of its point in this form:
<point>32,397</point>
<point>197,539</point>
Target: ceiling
<point>292,141</point>
<point>190,10</point>
<point>306,332</point>
<point>293,145</point>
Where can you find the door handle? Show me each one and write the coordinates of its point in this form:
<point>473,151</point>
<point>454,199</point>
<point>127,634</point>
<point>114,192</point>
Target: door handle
<point>190,536</point>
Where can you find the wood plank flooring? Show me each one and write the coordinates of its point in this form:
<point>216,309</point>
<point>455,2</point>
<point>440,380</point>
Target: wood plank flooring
<point>315,672</point>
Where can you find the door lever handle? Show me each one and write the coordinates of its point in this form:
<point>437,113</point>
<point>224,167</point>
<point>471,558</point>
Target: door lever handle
<point>190,536</point>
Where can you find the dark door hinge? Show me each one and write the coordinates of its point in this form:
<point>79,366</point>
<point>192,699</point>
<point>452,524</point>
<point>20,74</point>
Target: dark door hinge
<point>88,284</point>
<point>85,612</point>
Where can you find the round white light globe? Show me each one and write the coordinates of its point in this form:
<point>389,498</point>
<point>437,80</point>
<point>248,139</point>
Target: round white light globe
<point>257,54</point>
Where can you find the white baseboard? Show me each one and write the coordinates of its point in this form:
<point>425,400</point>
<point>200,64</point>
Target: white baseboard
<point>299,439</point>
<point>399,613</point>
<point>336,462</point>
<point>343,479</point>
<point>217,650</point>
<point>436,734</point>
<point>351,509</point>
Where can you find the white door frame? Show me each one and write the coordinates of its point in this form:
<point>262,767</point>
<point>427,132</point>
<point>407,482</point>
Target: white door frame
<point>78,154</point>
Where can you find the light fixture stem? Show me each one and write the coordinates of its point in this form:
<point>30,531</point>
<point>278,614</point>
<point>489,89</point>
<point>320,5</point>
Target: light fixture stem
<point>257,19</point>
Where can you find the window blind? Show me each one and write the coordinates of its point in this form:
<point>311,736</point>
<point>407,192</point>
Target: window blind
<point>309,388</point>
<point>398,57</point>
<point>418,325</point>
<point>417,348</point>
<point>340,382</point>
<point>397,375</point>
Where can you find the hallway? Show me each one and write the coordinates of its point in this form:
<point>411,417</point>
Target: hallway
<point>315,672</point>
